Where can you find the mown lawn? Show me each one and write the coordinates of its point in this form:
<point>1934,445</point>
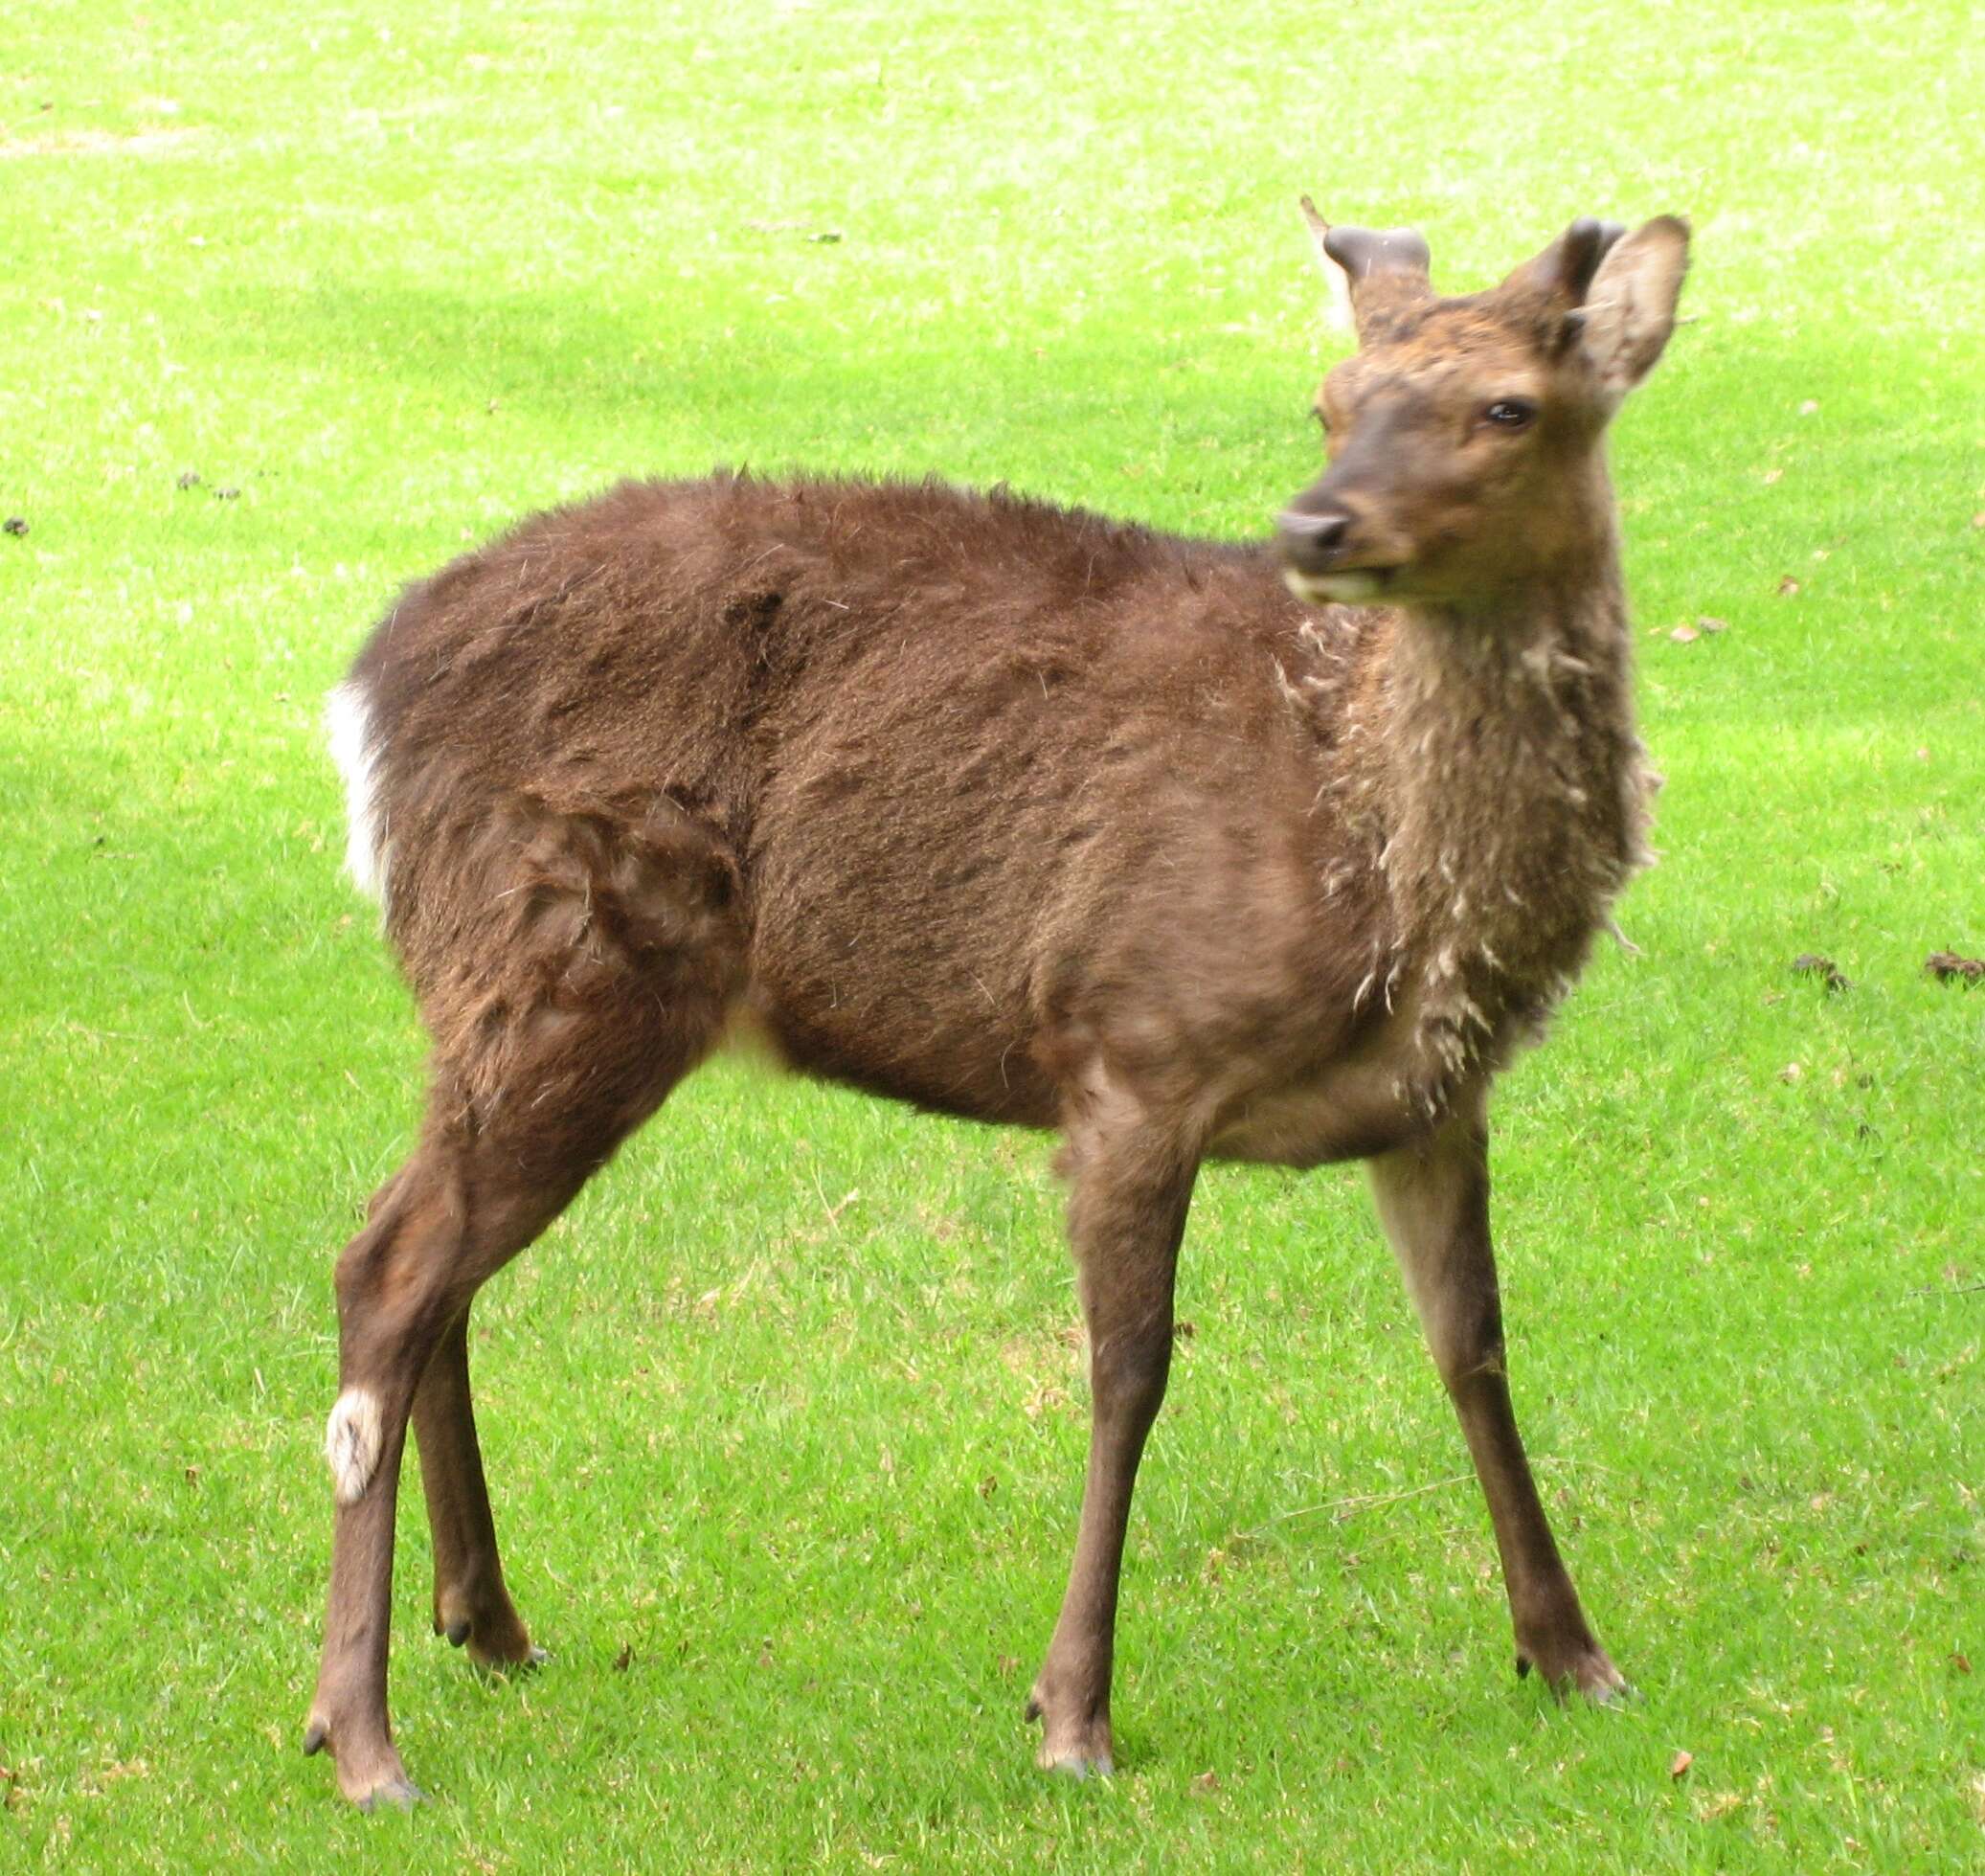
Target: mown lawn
<point>786,1418</point>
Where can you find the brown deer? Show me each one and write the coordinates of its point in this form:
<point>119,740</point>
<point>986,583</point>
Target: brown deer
<point>1024,815</point>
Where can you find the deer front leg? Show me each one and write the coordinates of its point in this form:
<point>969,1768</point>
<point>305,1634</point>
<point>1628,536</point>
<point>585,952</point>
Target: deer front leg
<point>1132,1184</point>
<point>1434,1202</point>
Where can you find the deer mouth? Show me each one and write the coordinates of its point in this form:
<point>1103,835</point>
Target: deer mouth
<point>1343,586</point>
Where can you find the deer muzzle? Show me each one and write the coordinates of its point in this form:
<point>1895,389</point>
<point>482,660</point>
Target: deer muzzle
<point>1328,549</point>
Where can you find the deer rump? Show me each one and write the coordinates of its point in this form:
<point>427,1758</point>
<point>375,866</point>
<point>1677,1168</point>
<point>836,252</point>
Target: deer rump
<point>944,794</point>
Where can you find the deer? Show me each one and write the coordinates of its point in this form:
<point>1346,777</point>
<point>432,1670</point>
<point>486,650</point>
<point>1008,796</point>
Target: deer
<point>1273,850</point>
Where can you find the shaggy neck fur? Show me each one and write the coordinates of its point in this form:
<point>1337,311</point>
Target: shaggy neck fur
<point>1490,761</point>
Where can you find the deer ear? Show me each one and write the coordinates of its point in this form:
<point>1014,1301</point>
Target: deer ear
<point>1376,275</point>
<point>1563,271</point>
<point>1628,309</point>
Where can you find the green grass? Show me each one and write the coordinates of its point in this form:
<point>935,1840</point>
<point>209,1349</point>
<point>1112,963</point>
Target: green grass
<point>786,1409</point>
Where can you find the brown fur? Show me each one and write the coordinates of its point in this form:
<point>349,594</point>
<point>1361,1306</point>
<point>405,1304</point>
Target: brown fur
<point>1024,815</point>
<point>1044,758</point>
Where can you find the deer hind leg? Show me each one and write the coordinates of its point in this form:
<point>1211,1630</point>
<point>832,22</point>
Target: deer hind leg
<point>553,1040</point>
<point>1131,1184</point>
<point>472,1605</point>
<point>1434,1202</point>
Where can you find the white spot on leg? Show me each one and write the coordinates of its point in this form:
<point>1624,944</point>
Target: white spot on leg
<point>348,717</point>
<point>351,1441</point>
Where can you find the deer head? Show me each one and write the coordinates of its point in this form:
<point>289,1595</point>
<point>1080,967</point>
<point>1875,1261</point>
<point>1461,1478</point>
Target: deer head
<point>1464,435</point>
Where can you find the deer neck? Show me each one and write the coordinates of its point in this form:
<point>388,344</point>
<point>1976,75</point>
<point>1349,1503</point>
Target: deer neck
<point>1512,790</point>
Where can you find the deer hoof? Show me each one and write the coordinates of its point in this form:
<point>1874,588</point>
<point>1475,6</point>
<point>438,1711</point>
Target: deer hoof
<point>490,1664</point>
<point>1077,1766</point>
<point>398,1792</point>
<point>1073,1748</point>
<point>369,1768</point>
<point>487,1625</point>
<point>1584,1669</point>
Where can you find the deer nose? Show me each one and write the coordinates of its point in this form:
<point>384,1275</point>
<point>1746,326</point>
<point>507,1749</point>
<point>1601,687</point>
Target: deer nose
<point>1305,533</point>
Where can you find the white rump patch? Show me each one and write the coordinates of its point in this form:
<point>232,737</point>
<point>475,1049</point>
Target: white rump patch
<point>348,717</point>
<point>351,1441</point>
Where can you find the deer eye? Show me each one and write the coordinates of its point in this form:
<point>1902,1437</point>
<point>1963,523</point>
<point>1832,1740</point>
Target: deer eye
<point>1510,413</point>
